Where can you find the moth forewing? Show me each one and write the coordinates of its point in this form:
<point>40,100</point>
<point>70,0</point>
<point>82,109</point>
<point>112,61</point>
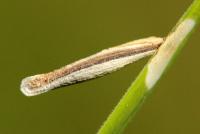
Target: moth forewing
<point>99,64</point>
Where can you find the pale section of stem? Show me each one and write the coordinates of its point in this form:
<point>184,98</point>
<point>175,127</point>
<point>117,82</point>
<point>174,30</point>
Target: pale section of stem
<point>160,61</point>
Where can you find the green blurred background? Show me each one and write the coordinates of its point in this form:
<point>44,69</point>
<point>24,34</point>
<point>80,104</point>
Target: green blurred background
<point>40,35</point>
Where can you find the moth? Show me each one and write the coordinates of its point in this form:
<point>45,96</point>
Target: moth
<point>99,64</point>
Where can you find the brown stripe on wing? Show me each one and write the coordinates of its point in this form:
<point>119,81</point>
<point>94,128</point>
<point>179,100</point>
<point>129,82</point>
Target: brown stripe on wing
<point>44,79</point>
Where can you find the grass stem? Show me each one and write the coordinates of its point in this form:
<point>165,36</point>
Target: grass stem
<point>152,72</point>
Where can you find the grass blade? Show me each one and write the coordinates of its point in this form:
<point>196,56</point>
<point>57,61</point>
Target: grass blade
<point>152,72</point>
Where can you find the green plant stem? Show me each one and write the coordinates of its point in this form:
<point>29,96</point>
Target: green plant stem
<point>152,72</point>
